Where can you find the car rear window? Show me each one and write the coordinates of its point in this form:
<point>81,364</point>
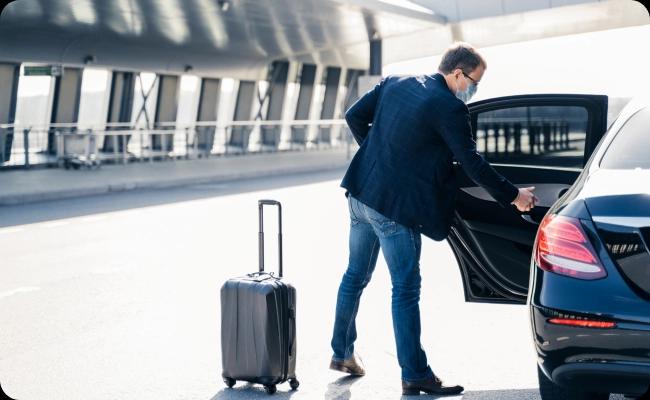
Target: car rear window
<point>630,148</point>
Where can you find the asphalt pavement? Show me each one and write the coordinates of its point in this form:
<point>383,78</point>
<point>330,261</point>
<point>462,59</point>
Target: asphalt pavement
<point>116,296</point>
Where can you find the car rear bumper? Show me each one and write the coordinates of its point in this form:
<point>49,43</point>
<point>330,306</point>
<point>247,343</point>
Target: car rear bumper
<point>615,360</point>
<point>611,377</point>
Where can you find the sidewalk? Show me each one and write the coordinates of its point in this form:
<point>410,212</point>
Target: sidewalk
<point>29,186</point>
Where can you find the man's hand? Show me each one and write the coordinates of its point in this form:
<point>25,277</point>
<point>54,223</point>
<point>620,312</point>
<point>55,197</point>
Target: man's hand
<point>525,200</point>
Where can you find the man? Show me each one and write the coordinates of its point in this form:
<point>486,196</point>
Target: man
<point>399,184</point>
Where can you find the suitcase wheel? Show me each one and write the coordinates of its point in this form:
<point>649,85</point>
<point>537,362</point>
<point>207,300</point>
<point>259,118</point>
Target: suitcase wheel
<point>270,389</point>
<point>229,382</point>
<point>294,384</point>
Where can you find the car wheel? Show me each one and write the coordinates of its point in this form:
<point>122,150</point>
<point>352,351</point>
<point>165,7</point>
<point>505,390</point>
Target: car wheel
<point>550,391</point>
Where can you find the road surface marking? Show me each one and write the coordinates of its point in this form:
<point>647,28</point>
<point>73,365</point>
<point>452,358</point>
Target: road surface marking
<point>19,290</point>
<point>93,218</point>
<point>55,224</point>
<point>10,230</point>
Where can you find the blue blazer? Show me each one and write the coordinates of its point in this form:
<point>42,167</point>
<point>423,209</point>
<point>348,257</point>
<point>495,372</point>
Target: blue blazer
<point>409,129</point>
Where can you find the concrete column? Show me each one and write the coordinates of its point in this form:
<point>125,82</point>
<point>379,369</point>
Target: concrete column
<point>303,108</point>
<point>332,77</point>
<point>65,105</point>
<point>278,81</point>
<point>339,108</point>
<point>240,135</point>
<point>316,104</point>
<point>307,81</point>
<point>278,78</point>
<point>166,108</point>
<point>375,57</point>
<point>290,103</point>
<point>351,95</point>
<point>9,74</point>
<point>120,107</point>
<point>352,87</point>
<point>208,102</point>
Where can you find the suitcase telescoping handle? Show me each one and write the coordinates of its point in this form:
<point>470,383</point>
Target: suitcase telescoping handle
<point>261,204</point>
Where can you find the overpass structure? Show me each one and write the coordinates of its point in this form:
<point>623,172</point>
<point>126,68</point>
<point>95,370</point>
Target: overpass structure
<point>196,78</point>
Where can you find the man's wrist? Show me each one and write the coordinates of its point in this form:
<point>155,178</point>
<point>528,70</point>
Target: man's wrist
<point>516,197</point>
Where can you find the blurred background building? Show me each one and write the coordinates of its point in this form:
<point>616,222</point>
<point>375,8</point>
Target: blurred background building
<point>126,81</point>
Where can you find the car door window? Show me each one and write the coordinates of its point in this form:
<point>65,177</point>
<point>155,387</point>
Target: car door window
<point>552,136</point>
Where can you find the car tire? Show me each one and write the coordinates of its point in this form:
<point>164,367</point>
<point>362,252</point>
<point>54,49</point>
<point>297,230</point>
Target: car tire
<point>550,391</point>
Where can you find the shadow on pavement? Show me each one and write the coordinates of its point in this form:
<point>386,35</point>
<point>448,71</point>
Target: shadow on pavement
<point>337,390</point>
<point>340,388</point>
<point>251,391</point>
<point>510,394</point>
<point>118,201</point>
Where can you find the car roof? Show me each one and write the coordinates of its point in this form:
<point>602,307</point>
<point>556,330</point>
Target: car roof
<point>636,104</point>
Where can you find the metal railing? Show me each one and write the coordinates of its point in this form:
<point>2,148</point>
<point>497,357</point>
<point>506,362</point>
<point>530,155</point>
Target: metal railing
<point>528,140</point>
<point>57,144</point>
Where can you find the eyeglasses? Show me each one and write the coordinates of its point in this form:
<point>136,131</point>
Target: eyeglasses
<point>470,78</point>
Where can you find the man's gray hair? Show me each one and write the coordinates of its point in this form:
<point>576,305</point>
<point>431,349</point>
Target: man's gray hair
<point>460,55</point>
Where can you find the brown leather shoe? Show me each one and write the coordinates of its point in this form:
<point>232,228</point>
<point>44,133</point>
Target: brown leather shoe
<point>431,385</point>
<point>352,366</point>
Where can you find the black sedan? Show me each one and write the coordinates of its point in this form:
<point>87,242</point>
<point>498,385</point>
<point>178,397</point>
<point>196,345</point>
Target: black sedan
<point>581,258</point>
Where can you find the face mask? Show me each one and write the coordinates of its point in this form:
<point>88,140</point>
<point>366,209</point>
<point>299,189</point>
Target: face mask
<point>467,94</point>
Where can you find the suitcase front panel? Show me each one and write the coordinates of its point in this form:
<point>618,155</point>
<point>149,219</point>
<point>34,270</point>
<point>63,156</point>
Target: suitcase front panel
<point>255,319</point>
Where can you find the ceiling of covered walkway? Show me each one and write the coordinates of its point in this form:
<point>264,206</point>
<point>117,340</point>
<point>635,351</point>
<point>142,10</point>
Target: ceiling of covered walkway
<point>239,38</point>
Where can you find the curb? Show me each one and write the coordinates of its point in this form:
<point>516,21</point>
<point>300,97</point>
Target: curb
<point>17,199</point>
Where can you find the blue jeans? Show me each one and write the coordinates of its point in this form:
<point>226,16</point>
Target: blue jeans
<point>401,246</point>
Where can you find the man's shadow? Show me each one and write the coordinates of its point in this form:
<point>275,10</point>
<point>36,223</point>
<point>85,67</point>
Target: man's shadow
<point>340,388</point>
<point>509,394</point>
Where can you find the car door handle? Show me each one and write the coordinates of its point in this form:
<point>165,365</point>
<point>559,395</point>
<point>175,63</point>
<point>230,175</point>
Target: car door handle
<point>547,193</point>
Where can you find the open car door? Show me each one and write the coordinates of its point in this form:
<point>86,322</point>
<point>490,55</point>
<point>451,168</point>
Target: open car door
<point>533,140</point>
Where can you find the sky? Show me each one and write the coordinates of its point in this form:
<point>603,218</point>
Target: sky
<point>612,62</point>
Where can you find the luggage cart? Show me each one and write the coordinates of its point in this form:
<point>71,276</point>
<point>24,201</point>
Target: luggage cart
<point>77,150</point>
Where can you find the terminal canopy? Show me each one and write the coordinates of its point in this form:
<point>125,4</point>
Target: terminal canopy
<point>240,38</point>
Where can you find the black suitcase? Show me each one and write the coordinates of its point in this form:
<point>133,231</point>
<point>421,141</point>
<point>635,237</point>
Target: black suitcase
<point>258,323</point>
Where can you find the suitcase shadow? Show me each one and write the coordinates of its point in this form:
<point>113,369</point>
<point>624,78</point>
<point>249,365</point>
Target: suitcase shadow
<point>340,388</point>
<point>251,391</point>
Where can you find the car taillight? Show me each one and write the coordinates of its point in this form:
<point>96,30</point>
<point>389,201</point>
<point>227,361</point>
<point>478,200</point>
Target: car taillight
<point>583,323</point>
<point>563,247</point>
